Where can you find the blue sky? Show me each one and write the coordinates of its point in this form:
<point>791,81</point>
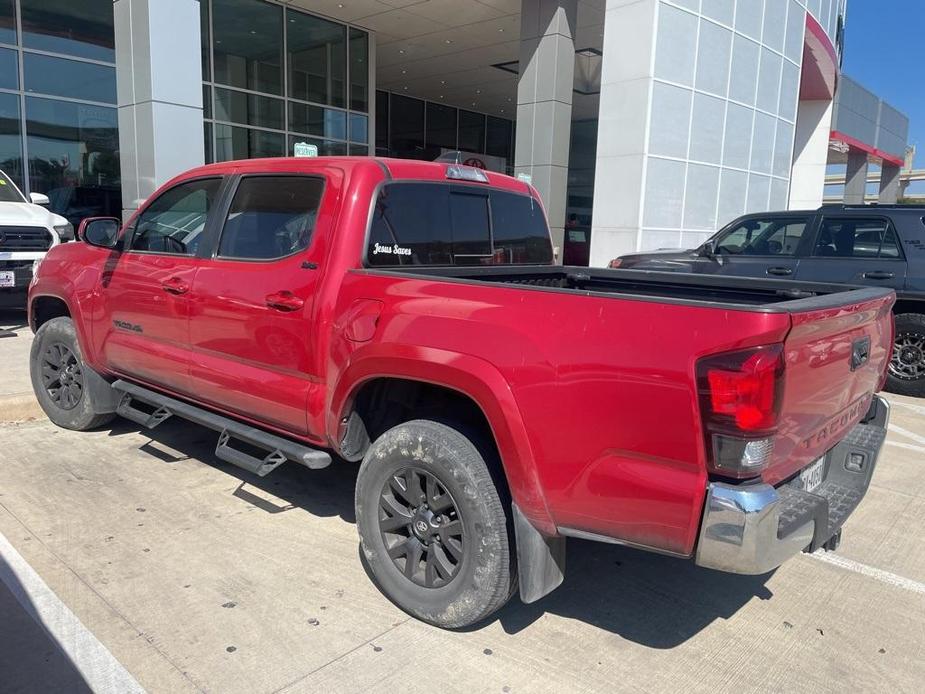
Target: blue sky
<point>884,51</point>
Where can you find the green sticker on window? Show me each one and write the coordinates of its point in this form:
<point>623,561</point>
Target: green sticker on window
<point>2,182</point>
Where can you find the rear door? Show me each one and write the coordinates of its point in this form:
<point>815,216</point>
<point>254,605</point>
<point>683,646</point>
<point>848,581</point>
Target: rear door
<point>855,250</point>
<point>253,332</point>
<point>760,246</point>
<point>145,289</point>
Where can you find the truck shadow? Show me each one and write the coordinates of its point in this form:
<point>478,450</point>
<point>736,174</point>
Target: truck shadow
<point>653,600</point>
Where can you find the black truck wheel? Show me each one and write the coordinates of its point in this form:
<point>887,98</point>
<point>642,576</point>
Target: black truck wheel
<point>433,530</point>
<point>59,377</point>
<point>907,367</point>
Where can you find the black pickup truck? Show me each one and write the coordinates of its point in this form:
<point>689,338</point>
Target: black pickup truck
<point>878,245</point>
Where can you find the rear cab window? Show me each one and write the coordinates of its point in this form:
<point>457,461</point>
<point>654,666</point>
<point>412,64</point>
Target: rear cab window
<point>419,223</point>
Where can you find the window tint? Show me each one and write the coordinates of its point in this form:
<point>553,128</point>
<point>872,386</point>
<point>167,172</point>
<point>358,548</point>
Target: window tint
<point>519,230</point>
<point>471,231</point>
<point>857,238</point>
<point>271,217</point>
<point>432,224</point>
<point>763,237</point>
<point>174,222</point>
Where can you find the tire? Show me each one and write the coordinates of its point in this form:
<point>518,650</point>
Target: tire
<point>907,366</point>
<point>461,575</point>
<point>69,404</point>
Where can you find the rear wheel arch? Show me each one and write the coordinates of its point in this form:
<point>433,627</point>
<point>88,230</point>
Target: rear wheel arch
<point>457,379</point>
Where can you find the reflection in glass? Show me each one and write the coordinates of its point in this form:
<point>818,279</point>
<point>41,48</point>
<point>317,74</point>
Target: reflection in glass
<point>326,148</point>
<point>73,157</point>
<point>441,129</point>
<point>358,127</point>
<point>9,69</point>
<point>207,135</point>
<point>204,40</point>
<point>407,128</point>
<point>314,120</point>
<point>10,141</point>
<point>232,142</point>
<point>81,28</point>
<point>248,109</point>
<point>7,22</point>
<point>247,44</point>
<point>382,124</point>
<point>206,101</point>
<point>317,59</point>
<point>498,139</point>
<point>70,78</point>
<point>471,131</point>
<point>359,70</point>
<point>359,150</point>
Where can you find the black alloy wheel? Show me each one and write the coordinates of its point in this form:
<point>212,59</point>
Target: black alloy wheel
<point>62,376</point>
<point>908,362</point>
<point>421,527</point>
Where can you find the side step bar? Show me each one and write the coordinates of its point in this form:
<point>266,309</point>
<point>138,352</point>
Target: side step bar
<point>277,450</point>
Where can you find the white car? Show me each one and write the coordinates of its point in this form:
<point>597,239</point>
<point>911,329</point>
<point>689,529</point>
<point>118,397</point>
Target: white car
<point>27,232</point>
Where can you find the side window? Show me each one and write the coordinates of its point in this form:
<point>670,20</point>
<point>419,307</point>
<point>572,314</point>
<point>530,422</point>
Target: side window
<point>174,222</point>
<point>857,238</point>
<point>764,237</point>
<point>271,217</point>
<point>519,230</point>
<point>433,224</point>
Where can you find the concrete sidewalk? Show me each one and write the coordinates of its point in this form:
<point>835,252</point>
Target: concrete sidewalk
<point>17,403</point>
<point>197,576</point>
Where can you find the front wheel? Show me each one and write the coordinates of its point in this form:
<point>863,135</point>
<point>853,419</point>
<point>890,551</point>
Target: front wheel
<point>433,530</point>
<point>59,377</point>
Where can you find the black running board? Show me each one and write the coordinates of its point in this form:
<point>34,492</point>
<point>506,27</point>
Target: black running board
<point>277,450</point>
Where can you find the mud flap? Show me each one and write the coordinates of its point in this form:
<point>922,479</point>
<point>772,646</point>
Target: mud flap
<point>540,559</point>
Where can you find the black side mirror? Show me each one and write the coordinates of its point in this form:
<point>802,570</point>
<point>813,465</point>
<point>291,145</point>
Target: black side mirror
<point>708,250</point>
<point>100,231</point>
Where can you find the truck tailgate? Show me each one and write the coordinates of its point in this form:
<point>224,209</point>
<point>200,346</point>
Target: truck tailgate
<point>835,360</point>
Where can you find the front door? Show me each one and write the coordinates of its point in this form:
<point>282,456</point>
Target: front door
<point>855,250</point>
<point>145,292</point>
<point>762,247</point>
<point>252,331</point>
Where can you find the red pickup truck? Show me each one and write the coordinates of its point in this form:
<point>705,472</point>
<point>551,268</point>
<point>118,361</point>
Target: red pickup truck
<point>410,315</point>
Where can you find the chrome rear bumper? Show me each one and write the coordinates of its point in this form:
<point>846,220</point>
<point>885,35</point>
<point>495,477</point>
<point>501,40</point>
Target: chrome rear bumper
<point>752,529</point>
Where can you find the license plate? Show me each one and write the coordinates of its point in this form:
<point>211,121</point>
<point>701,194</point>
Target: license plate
<point>811,477</point>
<point>7,279</point>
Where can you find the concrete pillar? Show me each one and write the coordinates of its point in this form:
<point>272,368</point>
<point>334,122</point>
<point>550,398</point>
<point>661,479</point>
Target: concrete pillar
<point>856,178</point>
<point>544,102</point>
<point>810,154</point>
<point>159,87</point>
<point>624,113</point>
<point>889,183</point>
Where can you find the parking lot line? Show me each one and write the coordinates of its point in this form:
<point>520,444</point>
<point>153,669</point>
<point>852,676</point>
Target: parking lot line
<point>908,434</point>
<point>869,571</point>
<point>99,668</point>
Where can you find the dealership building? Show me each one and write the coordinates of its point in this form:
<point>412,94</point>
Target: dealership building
<point>642,123</point>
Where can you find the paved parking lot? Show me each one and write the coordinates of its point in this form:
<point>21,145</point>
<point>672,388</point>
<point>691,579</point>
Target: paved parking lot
<point>135,559</point>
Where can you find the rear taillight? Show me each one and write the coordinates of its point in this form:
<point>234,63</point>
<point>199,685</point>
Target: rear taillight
<point>740,400</point>
<point>616,262</point>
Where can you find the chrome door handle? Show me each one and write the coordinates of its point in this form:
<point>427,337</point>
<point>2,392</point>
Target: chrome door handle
<point>784,271</point>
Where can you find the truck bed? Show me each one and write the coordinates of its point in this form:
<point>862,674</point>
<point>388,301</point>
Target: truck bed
<point>739,293</point>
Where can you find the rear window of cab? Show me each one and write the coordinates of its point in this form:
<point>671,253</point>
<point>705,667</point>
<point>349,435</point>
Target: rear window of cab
<point>446,224</point>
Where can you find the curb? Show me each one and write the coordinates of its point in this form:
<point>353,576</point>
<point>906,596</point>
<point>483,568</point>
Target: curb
<point>20,408</point>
